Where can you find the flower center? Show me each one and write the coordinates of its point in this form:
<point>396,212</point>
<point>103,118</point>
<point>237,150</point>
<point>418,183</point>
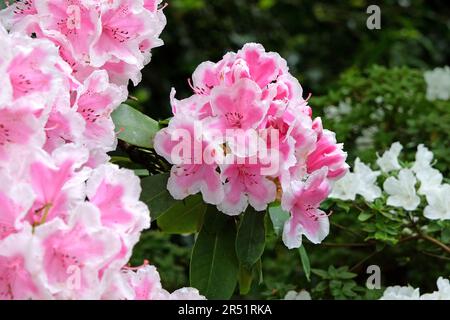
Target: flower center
<point>234,119</point>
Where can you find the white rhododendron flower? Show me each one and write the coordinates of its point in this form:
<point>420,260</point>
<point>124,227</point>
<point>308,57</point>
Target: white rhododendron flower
<point>336,112</point>
<point>410,293</point>
<point>294,295</point>
<point>438,204</point>
<point>402,191</point>
<point>389,160</point>
<point>346,188</point>
<point>362,181</point>
<point>443,292</point>
<point>366,179</point>
<point>401,293</point>
<point>424,157</point>
<point>438,83</point>
<point>430,179</point>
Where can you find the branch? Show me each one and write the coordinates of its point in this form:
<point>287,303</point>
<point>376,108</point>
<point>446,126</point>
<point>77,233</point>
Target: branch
<point>360,263</point>
<point>436,242</point>
<point>348,245</point>
<point>435,256</point>
<point>347,229</point>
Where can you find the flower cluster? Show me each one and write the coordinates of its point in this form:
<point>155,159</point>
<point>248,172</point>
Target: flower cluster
<point>410,293</point>
<point>68,219</point>
<point>116,36</point>
<point>294,295</point>
<point>246,137</point>
<point>404,183</point>
<point>438,83</point>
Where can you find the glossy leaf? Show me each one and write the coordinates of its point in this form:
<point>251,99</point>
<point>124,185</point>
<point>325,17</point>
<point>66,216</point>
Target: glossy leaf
<point>155,195</point>
<point>185,217</point>
<point>245,279</point>
<point>278,217</point>
<point>214,266</point>
<point>135,127</point>
<point>305,262</point>
<point>251,237</point>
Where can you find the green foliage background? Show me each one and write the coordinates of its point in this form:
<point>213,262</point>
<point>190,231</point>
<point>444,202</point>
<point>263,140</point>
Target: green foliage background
<point>319,38</point>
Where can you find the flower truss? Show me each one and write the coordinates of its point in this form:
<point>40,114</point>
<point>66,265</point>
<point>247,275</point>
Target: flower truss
<point>403,185</point>
<point>438,83</point>
<point>68,219</point>
<point>410,293</point>
<point>246,137</point>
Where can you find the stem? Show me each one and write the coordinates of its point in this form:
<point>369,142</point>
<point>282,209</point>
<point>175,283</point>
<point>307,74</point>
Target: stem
<point>406,239</point>
<point>46,211</point>
<point>149,159</point>
<point>347,245</point>
<point>435,256</point>
<point>356,266</point>
<point>436,242</point>
<point>429,238</point>
<point>346,229</point>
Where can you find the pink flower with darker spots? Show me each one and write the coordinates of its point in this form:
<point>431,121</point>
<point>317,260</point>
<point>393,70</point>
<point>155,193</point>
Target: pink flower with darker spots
<point>303,201</point>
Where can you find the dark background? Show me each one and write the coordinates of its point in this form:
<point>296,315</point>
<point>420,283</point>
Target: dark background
<point>319,39</point>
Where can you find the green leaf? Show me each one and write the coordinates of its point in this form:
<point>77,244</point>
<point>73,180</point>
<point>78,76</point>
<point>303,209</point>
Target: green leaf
<point>364,216</point>
<point>185,217</point>
<point>278,217</point>
<point>336,285</point>
<point>332,272</point>
<point>346,275</point>
<point>141,172</point>
<point>344,206</point>
<point>259,271</point>
<point>445,235</point>
<point>174,216</point>
<point>245,279</point>
<point>214,266</point>
<point>321,286</point>
<point>305,262</point>
<point>251,237</point>
<point>321,273</point>
<point>135,127</point>
<point>155,195</point>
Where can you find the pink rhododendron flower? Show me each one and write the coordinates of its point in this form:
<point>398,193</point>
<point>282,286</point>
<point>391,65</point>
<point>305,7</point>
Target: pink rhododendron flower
<point>144,283</point>
<point>35,71</point>
<point>19,268</point>
<point>96,101</point>
<point>237,107</point>
<point>327,153</point>
<point>15,201</point>
<point>303,201</point>
<point>68,220</point>
<point>64,125</point>
<point>244,184</point>
<point>116,36</point>
<point>19,129</point>
<point>74,22</point>
<point>196,168</point>
<point>76,250</point>
<point>115,192</point>
<point>253,117</point>
<point>57,183</point>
